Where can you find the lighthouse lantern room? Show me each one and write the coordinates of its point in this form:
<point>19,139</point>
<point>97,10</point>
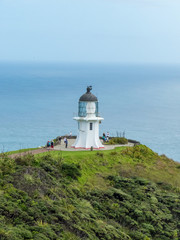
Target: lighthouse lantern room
<point>88,122</point>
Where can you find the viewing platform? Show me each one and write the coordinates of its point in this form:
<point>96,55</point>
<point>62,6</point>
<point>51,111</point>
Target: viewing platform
<point>61,147</point>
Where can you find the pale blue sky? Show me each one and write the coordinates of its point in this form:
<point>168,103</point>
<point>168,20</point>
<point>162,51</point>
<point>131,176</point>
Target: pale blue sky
<point>125,31</point>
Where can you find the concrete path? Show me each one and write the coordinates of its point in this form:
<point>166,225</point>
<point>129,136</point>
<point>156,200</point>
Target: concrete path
<point>71,141</point>
<point>36,151</point>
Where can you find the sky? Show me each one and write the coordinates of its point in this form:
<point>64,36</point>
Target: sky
<point>110,31</point>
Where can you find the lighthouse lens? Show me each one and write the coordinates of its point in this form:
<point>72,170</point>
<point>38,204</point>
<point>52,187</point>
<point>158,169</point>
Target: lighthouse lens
<point>82,109</point>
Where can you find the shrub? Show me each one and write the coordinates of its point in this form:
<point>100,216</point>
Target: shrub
<point>100,154</point>
<point>26,160</point>
<point>140,152</point>
<point>113,153</point>
<point>6,166</point>
<point>71,170</point>
<point>118,140</point>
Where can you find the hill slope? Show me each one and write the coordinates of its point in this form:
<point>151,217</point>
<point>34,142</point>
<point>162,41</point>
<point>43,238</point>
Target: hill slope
<point>127,193</point>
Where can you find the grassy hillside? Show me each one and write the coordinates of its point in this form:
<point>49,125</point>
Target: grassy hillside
<point>127,193</point>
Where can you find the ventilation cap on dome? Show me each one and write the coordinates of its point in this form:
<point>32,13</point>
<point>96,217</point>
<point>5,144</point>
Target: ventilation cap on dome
<point>88,96</point>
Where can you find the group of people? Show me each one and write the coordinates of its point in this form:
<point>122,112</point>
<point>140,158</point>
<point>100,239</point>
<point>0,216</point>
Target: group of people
<point>105,137</point>
<point>65,141</point>
<point>50,144</point>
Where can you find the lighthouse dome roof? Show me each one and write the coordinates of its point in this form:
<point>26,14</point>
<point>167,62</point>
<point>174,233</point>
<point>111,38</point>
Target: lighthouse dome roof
<point>88,96</point>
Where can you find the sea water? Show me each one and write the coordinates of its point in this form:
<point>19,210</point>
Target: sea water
<point>38,102</point>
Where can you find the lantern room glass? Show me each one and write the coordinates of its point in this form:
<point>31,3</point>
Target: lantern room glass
<point>82,112</point>
<point>82,109</point>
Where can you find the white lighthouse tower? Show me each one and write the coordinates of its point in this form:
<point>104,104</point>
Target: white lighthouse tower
<point>88,122</point>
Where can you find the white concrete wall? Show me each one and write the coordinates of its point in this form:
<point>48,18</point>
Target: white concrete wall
<point>88,138</point>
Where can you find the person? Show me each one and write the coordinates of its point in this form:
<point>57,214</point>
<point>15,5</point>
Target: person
<point>48,144</point>
<point>70,134</point>
<point>66,142</point>
<point>52,144</point>
<point>60,139</point>
<point>104,137</point>
<point>107,136</point>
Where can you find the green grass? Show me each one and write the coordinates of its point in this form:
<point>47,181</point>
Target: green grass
<point>137,161</point>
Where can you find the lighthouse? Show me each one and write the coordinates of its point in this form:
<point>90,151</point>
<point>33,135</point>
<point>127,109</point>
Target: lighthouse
<point>88,122</point>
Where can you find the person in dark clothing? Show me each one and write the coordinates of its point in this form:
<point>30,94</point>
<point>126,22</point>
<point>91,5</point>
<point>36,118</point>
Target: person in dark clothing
<point>66,142</point>
<point>104,137</point>
<point>52,144</point>
<point>60,138</point>
<point>48,144</point>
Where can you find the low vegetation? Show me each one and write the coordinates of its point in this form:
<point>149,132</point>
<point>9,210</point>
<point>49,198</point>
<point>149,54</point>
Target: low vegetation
<point>118,140</point>
<point>126,193</point>
<point>20,151</point>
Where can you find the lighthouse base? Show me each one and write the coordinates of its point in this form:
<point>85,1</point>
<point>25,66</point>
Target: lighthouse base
<point>87,143</point>
<point>86,148</point>
<point>88,136</point>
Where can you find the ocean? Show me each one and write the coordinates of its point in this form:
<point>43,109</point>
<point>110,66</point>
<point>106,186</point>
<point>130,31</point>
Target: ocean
<point>38,102</point>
